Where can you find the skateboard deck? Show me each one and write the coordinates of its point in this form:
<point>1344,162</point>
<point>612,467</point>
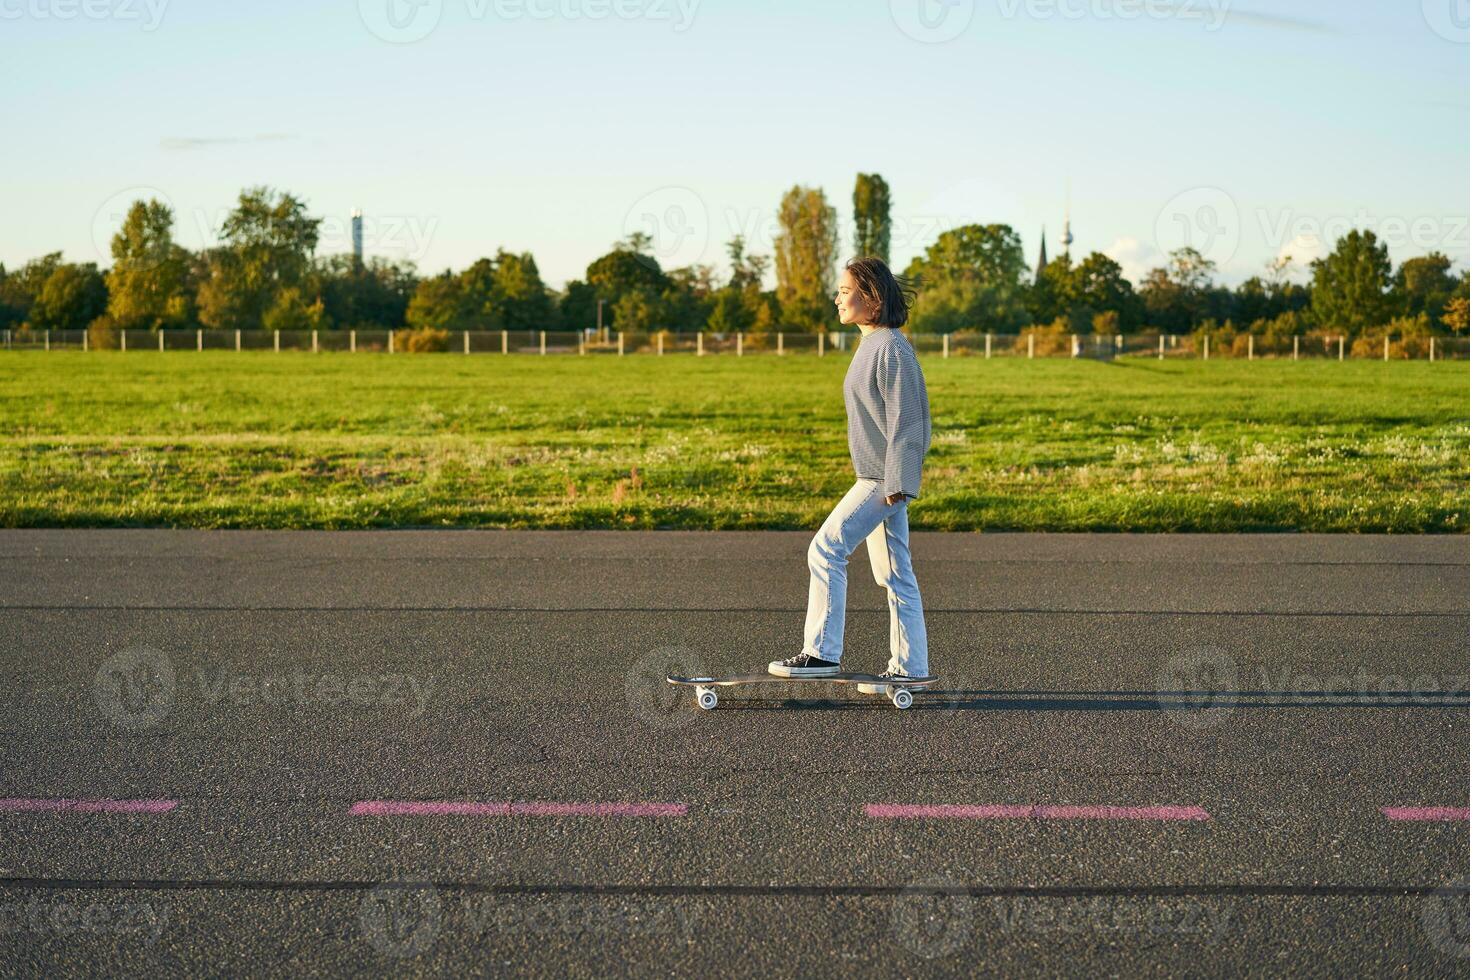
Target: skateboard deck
<point>899,692</point>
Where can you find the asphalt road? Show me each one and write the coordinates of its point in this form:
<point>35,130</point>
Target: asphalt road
<point>231,752</point>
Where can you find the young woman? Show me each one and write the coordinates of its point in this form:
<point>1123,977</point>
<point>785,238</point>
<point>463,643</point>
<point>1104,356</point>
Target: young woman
<point>887,436</point>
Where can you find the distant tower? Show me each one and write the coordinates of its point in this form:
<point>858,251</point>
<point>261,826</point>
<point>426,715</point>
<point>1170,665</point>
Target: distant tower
<point>1041,263</point>
<point>1067,227</point>
<point>357,235</point>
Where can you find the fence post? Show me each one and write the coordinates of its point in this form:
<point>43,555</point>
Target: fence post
<point>581,343</point>
<point>821,344</point>
<point>780,342</point>
<point>1431,350</point>
<point>1250,347</point>
<point>1339,346</point>
<point>48,340</point>
<point>277,334</point>
<point>505,341</point>
<point>620,343</point>
<point>1030,346</point>
<point>740,343</point>
<point>1161,347</point>
<point>352,341</point>
<point>543,342</point>
<point>390,340</point>
<point>1296,343</point>
<point>1207,347</point>
<point>199,337</point>
<point>86,345</point>
<point>946,345</point>
<point>160,341</point>
<point>699,339</point>
<point>660,337</point>
<point>1385,346</point>
<point>987,345</point>
<point>466,341</point>
<point>314,348</point>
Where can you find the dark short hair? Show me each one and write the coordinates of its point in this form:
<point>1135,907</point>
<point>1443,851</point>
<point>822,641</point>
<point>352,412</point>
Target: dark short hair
<point>886,295</point>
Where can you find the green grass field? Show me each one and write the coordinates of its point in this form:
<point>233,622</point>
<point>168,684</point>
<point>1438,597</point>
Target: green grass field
<point>225,439</point>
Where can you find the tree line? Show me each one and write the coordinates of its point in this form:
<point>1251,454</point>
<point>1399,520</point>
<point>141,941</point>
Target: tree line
<point>264,273</point>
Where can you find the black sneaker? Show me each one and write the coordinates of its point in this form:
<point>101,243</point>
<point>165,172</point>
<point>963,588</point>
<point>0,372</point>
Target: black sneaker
<point>804,665</point>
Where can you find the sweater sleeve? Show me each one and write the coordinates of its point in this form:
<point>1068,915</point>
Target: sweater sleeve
<point>904,422</point>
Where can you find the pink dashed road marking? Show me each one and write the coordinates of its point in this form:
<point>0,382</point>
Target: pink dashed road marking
<point>1426,812</point>
<point>20,804</point>
<point>412,808</point>
<point>1009,811</point>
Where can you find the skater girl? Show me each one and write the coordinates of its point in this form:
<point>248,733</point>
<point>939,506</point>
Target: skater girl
<point>888,436</point>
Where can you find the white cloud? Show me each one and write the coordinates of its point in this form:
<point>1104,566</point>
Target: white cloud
<point>1135,256</point>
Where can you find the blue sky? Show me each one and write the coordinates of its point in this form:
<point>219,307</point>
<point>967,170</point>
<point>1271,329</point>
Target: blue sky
<point>558,126</point>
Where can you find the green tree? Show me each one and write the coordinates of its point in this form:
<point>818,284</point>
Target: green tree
<point>745,270</point>
<point>870,210</point>
<point>1177,296</point>
<point>19,289</point>
<point>439,303</point>
<point>292,310</point>
<point>1423,285</point>
<point>267,245</point>
<point>1099,286</point>
<point>806,257</point>
<point>520,300</point>
<point>1054,291</point>
<point>70,298</point>
<point>624,270</point>
<point>638,309</point>
<point>149,284</point>
<point>365,295</point>
<point>1350,286</point>
<point>970,278</point>
<point>578,306</point>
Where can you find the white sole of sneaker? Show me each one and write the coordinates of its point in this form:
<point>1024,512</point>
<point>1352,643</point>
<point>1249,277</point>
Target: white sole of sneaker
<point>780,671</point>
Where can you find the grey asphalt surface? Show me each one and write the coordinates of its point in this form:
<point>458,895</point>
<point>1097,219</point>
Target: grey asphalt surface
<point>267,681</point>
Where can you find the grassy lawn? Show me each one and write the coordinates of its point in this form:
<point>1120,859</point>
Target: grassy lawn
<point>295,440</point>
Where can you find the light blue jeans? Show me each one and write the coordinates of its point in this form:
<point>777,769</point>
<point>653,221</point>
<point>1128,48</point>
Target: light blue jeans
<point>862,515</point>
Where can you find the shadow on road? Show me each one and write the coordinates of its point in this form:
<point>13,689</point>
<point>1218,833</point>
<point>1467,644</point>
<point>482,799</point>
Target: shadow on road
<point>980,700</point>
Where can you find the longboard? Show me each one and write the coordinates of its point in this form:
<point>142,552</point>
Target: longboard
<point>899,692</point>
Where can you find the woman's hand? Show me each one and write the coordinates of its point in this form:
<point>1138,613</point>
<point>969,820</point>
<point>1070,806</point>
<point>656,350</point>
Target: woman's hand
<point>893,498</point>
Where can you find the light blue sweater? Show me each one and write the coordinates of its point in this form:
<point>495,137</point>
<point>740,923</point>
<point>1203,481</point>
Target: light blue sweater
<point>887,412</point>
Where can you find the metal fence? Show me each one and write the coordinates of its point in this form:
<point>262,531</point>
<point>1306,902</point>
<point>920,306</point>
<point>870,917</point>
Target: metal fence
<point>964,343</point>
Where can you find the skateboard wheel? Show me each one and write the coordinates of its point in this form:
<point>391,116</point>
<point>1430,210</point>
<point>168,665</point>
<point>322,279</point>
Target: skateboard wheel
<point>901,697</point>
<point>706,698</point>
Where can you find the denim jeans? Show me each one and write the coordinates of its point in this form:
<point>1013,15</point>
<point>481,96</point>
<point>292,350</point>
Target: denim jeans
<point>862,515</point>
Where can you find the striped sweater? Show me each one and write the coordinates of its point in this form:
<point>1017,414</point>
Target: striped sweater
<point>887,412</point>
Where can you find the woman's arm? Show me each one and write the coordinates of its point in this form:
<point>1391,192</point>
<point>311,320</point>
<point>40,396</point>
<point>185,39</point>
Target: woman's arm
<point>903,423</point>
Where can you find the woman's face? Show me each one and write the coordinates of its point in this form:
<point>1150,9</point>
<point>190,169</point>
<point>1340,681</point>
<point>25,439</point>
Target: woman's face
<point>850,306</point>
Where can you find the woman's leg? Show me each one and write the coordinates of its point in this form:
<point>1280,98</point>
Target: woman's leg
<point>888,551</point>
<point>851,521</point>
